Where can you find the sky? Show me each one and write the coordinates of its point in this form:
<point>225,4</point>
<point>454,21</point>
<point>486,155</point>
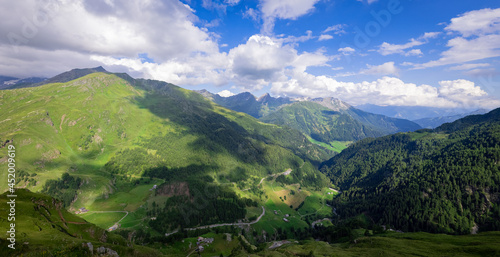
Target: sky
<point>432,53</point>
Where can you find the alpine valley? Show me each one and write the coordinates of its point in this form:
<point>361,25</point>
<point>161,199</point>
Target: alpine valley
<point>110,165</point>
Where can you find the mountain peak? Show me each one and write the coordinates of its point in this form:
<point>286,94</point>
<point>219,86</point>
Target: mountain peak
<point>332,103</point>
<point>264,97</point>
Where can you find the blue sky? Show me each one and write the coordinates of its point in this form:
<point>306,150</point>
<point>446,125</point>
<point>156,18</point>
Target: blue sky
<point>396,52</point>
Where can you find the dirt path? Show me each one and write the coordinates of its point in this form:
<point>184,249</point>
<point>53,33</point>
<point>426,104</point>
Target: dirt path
<point>231,224</point>
<point>287,172</point>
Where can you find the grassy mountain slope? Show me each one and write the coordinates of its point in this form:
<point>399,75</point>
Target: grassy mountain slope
<point>120,136</point>
<point>44,228</point>
<point>442,180</point>
<point>396,244</point>
<point>329,120</point>
<point>321,123</point>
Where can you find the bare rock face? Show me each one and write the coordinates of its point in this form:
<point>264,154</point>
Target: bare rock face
<point>102,251</point>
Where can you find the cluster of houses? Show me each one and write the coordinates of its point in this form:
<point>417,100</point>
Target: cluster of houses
<point>81,210</point>
<point>285,218</point>
<point>202,240</point>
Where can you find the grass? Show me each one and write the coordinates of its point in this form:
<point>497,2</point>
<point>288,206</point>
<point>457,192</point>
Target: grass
<point>79,126</point>
<point>399,244</point>
<point>103,220</point>
<point>336,146</point>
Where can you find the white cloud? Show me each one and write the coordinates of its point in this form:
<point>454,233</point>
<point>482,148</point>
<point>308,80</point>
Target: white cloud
<point>466,50</point>
<point>232,2</point>
<point>324,37</point>
<point>469,66</point>
<point>387,91</point>
<point>476,23</point>
<point>294,39</point>
<point>283,9</point>
<point>479,32</point>
<point>482,72</point>
<point>337,29</point>
<point>124,30</point>
<point>346,50</point>
<point>226,93</point>
<point>262,60</point>
<point>387,49</point>
<point>387,68</point>
<point>414,52</point>
<point>251,14</point>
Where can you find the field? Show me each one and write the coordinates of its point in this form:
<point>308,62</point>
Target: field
<point>336,146</point>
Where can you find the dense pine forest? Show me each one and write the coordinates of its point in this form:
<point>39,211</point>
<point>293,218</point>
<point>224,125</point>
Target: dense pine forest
<point>445,180</point>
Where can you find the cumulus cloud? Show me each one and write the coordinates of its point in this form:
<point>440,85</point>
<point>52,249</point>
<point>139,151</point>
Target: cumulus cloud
<point>324,37</point>
<point>114,28</point>
<point>226,93</point>
<point>414,52</point>
<point>263,59</point>
<point>476,23</point>
<point>388,91</point>
<point>387,68</point>
<point>347,50</point>
<point>478,36</point>
<point>283,9</point>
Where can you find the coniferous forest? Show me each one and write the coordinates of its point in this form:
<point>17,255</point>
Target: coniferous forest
<point>445,180</point>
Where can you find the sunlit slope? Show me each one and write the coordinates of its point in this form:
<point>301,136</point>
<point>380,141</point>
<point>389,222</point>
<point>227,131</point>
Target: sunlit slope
<point>44,228</point>
<point>106,125</point>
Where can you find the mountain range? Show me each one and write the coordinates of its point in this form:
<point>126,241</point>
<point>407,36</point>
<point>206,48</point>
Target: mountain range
<point>110,164</point>
<point>327,121</point>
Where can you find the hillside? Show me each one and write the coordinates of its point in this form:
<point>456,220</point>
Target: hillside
<point>104,140</point>
<point>321,123</point>
<point>329,120</point>
<point>44,227</point>
<point>444,180</point>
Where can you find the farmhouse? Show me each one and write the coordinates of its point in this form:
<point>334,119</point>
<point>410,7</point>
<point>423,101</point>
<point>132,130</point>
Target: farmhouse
<point>81,210</point>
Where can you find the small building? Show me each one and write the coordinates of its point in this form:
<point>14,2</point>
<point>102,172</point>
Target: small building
<point>275,212</point>
<point>287,215</point>
<point>114,227</point>
<point>285,220</point>
<point>153,218</point>
<point>81,210</point>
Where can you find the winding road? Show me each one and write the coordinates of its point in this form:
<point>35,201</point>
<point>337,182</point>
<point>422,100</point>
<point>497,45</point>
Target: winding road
<point>231,224</point>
